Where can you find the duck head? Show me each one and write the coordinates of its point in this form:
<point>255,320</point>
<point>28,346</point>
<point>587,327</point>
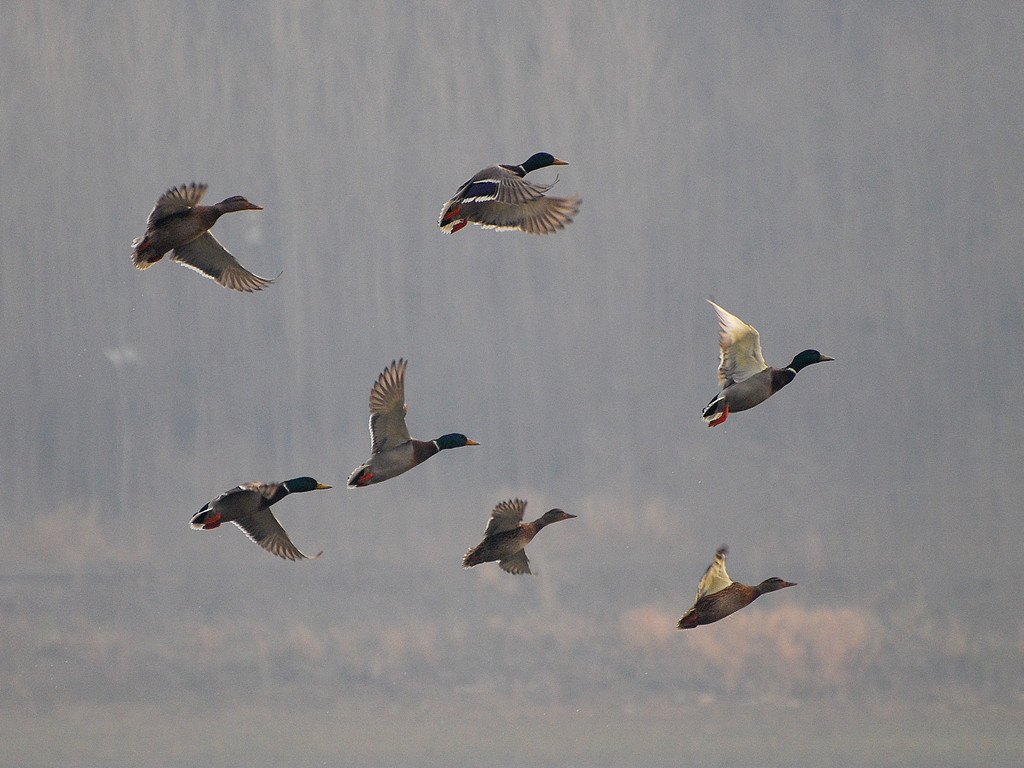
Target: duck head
<point>808,357</point>
<point>453,440</point>
<point>237,203</point>
<point>553,516</point>
<point>303,484</point>
<point>773,584</point>
<point>540,160</point>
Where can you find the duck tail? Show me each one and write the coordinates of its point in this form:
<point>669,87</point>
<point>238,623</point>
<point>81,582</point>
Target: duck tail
<point>205,519</point>
<point>473,557</point>
<point>449,220</point>
<point>360,477</point>
<point>716,411</point>
<point>688,621</point>
<point>142,254</point>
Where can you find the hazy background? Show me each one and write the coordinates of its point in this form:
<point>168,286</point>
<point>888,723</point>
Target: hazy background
<point>842,178</point>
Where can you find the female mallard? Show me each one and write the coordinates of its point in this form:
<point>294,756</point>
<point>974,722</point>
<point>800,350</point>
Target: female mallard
<point>248,506</point>
<point>745,378</point>
<point>718,595</point>
<point>179,224</point>
<point>507,536</point>
<point>498,197</point>
<point>392,450</point>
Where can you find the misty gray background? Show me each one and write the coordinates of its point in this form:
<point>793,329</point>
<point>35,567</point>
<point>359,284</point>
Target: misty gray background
<point>841,177</point>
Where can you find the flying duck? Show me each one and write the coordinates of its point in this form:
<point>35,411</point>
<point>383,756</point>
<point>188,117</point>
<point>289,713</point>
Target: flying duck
<point>499,197</point>
<point>180,225</point>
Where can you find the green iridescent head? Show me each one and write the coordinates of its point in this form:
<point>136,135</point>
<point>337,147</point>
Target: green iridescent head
<point>453,440</point>
<point>541,160</point>
<point>808,357</point>
<point>303,484</point>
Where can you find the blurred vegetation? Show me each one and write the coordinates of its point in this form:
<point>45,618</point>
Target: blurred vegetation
<point>87,622</point>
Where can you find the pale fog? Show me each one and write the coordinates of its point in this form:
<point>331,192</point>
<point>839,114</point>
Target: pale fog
<point>842,177</point>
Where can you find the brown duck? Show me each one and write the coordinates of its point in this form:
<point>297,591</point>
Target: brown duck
<point>507,536</point>
<point>718,595</point>
<point>179,224</point>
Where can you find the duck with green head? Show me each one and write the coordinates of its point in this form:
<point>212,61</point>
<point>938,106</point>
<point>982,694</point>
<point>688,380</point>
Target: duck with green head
<point>745,378</point>
<point>499,197</point>
<point>179,224</point>
<point>248,506</point>
<point>719,596</point>
<point>507,535</point>
<point>392,449</point>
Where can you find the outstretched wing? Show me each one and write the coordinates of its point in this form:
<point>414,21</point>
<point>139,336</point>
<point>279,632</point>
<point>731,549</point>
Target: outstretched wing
<point>715,578</point>
<point>175,201</point>
<point>208,257</point>
<point>388,408</point>
<point>506,516</point>
<point>741,349</point>
<point>518,563</point>
<point>263,528</point>
<point>542,216</point>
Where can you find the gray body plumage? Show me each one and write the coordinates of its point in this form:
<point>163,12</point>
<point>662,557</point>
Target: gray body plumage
<point>248,506</point>
<point>499,197</point>
<point>745,378</point>
<point>392,449</point>
<point>742,395</point>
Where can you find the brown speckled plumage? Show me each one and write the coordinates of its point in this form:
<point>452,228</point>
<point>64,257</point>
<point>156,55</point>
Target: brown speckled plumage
<point>718,595</point>
<point>507,536</point>
<point>179,224</point>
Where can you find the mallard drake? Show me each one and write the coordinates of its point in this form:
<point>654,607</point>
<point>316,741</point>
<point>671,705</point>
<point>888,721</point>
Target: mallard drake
<point>507,536</point>
<point>718,595</point>
<point>392,450</point>
<point>179,224</point>
<point>745,378</point>
<point>498,197</point>
<point>248,506</point>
